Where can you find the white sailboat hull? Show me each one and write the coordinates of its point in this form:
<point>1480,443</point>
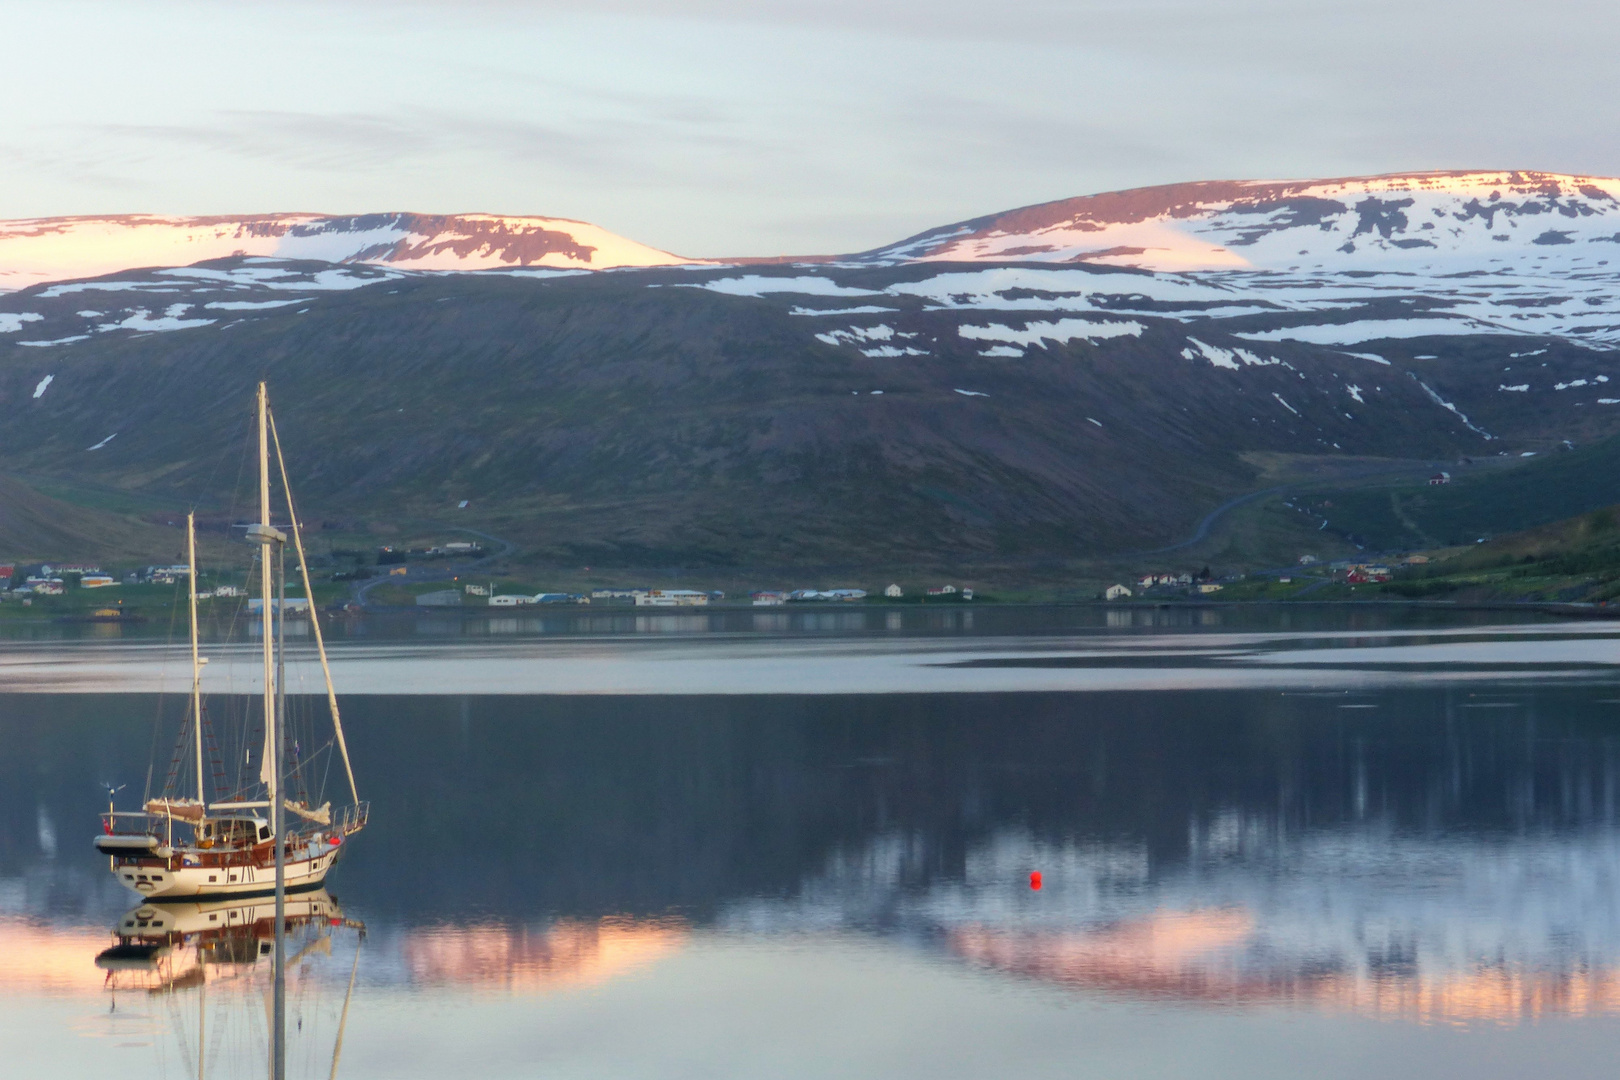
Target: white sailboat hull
<point>305,870</point>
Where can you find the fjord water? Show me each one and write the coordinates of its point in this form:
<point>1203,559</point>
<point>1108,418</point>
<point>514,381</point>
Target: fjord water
<point>1409,877</point>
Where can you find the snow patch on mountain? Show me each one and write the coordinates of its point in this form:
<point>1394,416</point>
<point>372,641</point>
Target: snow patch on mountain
<point>38,250</point>
<point>142,319</point>
<point>864,310</point>
<point>10,323</point>
<point>1061,331</point>
<point>252,305</point>
<point>1354,333</point>
<point>56,341</point>
<point>758,285</point>
<point>1444,404</point>
<point>1420,219</point>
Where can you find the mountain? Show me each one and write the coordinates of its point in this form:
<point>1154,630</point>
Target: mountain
<point>934,404</point>
<point>38,250</point>
<point>1417,220</point>
<point>1468,252</point>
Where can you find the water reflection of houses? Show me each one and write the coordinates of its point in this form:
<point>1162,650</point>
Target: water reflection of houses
<point>1360,920</point>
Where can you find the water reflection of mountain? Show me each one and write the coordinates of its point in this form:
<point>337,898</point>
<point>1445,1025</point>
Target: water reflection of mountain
<point>1439,848</point>
<point>1360,919</point>
<point>517,959</point>
<point>585,807</point>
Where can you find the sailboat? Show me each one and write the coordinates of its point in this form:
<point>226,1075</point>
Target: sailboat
<point>237,844</point>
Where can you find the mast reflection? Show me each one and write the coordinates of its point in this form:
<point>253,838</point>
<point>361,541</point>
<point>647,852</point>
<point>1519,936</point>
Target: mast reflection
<point>222,954</point>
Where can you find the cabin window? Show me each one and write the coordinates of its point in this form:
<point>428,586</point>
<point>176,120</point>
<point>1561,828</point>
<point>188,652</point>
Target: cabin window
<point>233,877</point>
<point>213,877</point>
<point>264,832</point>
<point>211,918</point>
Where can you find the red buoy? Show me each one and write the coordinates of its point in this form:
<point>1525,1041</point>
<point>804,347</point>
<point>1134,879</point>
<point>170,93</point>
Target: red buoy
<point>1035,879</point>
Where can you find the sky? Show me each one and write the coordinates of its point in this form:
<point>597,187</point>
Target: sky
<point>768,127</point>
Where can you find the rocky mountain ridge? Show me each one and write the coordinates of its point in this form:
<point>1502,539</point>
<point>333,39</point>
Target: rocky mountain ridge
<point>35,251</point>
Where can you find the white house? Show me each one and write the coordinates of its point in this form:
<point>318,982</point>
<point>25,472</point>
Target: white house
<point>510,600</point>
<point>893,592</point>
<point>1116,592</point>
<point>295,605</point>
<point>673,598</point>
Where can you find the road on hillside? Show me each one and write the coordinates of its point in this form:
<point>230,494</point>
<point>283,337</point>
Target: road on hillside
<point>442,572</point>
<point>1209,520</point>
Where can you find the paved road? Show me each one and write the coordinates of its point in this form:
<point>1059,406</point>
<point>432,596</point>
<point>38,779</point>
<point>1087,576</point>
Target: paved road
<point>1202,532</point>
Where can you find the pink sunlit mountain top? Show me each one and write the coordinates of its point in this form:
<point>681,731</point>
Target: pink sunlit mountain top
<point>38,250</point>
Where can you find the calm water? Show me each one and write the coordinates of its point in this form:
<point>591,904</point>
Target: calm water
<point>1416,875</point>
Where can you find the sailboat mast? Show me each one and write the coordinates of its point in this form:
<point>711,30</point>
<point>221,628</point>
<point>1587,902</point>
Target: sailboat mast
<point>196,663</point>
<point>272,540</point>
<point>266,586</point>
<point>314,621</point>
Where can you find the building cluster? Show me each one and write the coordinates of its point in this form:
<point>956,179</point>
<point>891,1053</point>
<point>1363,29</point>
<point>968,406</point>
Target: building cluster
<point>772,597</point>
<point>650,597</point>
<point>1202,583</point>
<point>638,597</point>
<point>53,579</point>
<point>159,575</point>
<point>460,549</point>
<point>48,579</point>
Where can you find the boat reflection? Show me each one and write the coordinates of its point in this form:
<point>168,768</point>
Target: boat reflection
<point>165,946</point>
<point>212,965</point>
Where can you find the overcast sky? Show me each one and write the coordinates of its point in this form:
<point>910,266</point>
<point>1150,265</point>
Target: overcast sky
<point>761,127</point>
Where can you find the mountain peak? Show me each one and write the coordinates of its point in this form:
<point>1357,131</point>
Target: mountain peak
<point>38,250</point>
<point>1336,224</point>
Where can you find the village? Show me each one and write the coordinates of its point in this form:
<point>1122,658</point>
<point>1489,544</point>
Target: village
<point>653,597</point>
<point>1308,569</point>
<point>21,584</point>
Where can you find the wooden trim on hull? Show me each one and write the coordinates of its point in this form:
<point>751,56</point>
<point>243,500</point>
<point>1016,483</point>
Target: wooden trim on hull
<point>255,893</point>
<point>191,882</point>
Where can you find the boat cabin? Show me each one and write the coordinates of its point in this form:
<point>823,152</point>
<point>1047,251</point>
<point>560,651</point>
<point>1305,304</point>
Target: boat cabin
<point>232,831</point>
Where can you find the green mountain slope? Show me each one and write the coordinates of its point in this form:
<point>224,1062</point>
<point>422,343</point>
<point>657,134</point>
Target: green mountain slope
<point>634,420</point>
<point>1478,504</point>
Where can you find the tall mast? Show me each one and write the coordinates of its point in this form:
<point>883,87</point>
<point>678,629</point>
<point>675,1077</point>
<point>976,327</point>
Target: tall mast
<point>314,621</point>
<point>267,627</point>
<point>196,663</point>
<point>272,540</point>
